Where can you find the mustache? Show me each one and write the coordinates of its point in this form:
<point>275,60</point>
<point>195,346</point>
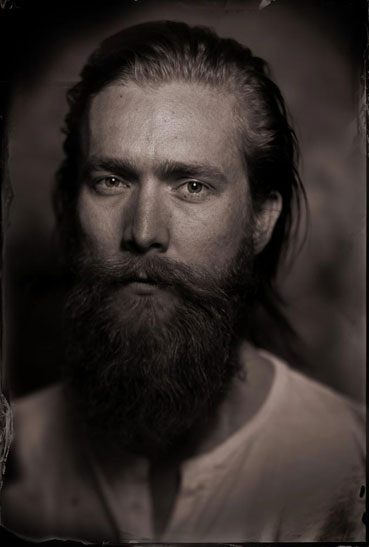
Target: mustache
<point>164,272</point>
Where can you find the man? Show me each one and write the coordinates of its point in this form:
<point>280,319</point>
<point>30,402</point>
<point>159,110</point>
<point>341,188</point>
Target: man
<point>175,205</point>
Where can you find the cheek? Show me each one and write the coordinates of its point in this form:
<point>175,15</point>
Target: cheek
<point>97,223</point>
<point>215,238</point>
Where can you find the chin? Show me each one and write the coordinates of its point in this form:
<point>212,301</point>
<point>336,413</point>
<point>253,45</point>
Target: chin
<point>143,308</point>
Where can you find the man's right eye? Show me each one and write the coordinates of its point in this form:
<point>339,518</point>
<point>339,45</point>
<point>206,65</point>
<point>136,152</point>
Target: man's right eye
<point>109,186</point>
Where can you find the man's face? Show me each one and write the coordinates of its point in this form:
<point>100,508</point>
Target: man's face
<point>163,176</point>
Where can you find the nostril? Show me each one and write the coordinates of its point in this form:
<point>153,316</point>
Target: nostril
<point>135,247</point>
<point>132,247</point>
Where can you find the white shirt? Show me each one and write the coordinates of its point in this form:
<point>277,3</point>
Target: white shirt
<point>293,472</point>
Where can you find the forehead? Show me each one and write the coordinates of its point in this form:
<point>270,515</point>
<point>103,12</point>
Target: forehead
<point>174,122</point>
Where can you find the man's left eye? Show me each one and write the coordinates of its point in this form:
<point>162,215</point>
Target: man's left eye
<point>194,187</point>
<point>193,190</point>
<point>109,185</point>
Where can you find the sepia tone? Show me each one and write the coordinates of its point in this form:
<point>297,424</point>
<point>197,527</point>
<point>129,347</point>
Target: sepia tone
<point>319,70</point>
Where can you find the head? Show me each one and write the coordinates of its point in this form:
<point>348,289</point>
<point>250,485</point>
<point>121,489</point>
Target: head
<point>175,206</point>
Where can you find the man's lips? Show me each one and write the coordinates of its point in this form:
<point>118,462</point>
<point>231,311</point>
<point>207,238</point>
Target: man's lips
<point>141,286</point>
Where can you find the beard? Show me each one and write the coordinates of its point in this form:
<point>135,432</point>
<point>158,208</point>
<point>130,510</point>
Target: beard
<point>145,372</point>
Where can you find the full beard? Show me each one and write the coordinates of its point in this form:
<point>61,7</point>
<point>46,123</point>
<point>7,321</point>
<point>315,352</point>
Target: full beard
<point>144,375</point>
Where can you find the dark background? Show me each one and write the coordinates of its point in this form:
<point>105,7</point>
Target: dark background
<point>316,52</point>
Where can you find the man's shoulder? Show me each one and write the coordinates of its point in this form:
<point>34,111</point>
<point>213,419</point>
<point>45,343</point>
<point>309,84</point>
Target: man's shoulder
<point>307,443</point>
<point>48,481</point>
<point>315,406</point>
<point>313,412</point>
<point>315,433</point>
<point>42,427</point>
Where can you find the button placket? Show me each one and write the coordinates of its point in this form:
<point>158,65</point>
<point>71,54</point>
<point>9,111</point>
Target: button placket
<point>189,498</point>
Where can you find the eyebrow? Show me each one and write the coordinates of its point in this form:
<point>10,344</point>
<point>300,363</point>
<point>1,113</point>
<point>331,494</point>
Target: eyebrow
<point>174,169</point>
<point>124,168</point>
<point>168,169</point>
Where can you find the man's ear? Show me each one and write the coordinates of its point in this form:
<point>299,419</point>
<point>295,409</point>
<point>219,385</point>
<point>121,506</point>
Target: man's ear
<point>265,220</point>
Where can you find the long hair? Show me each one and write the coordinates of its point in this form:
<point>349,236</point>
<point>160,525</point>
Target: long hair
<point>158,52</point>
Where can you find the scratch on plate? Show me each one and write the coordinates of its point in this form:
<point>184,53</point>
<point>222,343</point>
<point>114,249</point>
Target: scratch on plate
<point>265,3</point>
<point>6,433</point>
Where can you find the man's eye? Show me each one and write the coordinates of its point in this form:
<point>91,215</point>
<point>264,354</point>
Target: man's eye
<point>109,185</point>
<point>194,187</point>
<point>193,190</point>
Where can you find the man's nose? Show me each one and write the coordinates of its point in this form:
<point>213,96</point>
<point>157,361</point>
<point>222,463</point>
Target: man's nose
<point>145,223</point>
